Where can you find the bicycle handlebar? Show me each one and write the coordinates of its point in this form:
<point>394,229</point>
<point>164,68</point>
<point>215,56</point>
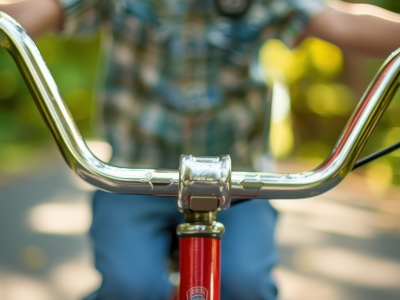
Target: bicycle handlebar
<point>165,182</point>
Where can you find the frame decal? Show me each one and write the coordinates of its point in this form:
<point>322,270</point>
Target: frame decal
<point>197,293</point>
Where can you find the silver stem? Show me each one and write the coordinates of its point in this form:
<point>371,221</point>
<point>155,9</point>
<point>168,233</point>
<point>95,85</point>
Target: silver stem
<point>165,182</point>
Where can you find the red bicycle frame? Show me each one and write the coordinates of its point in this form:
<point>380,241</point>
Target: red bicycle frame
<point>199,266</point>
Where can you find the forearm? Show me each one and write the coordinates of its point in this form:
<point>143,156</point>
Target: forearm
<point>36,16</point>
<point>363,29</point>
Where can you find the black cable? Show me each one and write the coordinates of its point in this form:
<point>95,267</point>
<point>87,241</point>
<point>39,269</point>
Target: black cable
<point>376,155</point>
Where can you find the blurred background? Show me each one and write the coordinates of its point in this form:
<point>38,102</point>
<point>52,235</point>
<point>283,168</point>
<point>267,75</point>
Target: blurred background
<point>342,245</point>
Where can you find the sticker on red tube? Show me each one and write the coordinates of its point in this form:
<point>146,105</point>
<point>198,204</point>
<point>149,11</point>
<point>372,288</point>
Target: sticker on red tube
<point>197,293</point>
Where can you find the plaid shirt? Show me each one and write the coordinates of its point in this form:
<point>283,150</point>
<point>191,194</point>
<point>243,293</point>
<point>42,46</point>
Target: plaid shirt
<point>180,78</point>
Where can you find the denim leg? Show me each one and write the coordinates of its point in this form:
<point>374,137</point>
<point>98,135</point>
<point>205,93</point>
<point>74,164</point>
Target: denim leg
<point>131,241</point>
<point>248,251</point>
<point>131,236</point>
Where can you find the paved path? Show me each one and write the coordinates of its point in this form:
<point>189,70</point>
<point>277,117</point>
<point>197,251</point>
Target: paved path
<point>44,252</point>
<point>343,245</point>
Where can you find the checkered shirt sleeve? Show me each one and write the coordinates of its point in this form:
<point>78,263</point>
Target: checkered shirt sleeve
<point>81,17</point>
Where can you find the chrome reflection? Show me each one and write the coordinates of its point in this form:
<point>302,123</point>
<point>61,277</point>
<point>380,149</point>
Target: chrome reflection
<point>165,182</point>
<point>204,183</point>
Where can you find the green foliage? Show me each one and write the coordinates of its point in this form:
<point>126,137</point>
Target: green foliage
<point>73,65</point>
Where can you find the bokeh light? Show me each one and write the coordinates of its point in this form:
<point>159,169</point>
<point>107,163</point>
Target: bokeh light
<point>281,63</point>
<point>329,99</point>
<point>281,137</point>
<point>325,57</point>
<point>60,218</point>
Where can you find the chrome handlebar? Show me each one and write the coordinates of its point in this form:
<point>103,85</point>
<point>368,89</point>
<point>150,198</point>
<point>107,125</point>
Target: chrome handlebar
<point>165,182</point>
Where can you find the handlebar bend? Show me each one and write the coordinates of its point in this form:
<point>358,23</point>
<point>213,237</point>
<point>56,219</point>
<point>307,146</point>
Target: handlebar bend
<point>165,182</point>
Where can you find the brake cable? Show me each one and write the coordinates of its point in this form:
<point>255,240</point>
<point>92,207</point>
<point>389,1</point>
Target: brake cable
<point>376,155</point>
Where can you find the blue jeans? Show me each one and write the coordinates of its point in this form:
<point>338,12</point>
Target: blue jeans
<point>131,237</point>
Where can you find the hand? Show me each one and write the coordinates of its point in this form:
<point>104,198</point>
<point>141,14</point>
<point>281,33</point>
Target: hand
<point>35,16</point>
<point>360,28</point>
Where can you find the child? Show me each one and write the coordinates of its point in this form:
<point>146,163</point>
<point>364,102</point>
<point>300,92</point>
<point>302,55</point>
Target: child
<point>181,76</point>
